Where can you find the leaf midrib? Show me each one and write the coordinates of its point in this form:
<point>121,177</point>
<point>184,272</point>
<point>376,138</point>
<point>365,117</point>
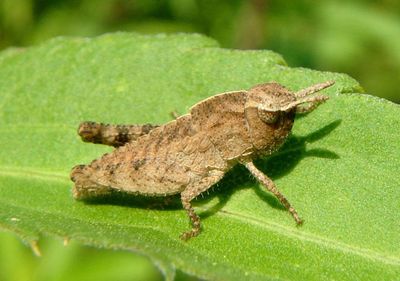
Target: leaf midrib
<point>308,237</point>
<point>269,225</point>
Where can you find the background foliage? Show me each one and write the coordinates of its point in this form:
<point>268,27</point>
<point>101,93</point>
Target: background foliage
<point>358,37</point>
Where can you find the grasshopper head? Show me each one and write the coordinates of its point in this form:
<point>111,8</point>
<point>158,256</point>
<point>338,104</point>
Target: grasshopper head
<point>271,108</point>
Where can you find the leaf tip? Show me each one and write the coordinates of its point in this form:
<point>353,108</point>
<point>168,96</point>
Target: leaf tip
<point>35,248</point>
<point>66,241</point>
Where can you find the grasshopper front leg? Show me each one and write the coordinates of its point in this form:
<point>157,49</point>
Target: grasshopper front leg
<point>269,184</point>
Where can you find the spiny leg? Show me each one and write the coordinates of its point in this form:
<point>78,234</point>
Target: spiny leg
<point>114,135</point>
<point>194,218</point>
<point>269,184</point>
<point>192,191</point>
<point>174,114</point>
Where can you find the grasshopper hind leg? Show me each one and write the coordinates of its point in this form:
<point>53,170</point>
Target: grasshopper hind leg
<point>113,135</point>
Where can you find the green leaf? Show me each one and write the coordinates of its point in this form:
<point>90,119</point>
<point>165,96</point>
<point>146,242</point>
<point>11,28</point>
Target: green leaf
<point>339,168</point>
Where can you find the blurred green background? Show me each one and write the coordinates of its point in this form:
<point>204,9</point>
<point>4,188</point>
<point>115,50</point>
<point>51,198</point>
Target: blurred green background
<point>360,38</point>
<point>72,262</point>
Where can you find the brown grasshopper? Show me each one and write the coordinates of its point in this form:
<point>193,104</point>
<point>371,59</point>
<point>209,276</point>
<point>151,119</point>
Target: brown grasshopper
<point>188,155</point>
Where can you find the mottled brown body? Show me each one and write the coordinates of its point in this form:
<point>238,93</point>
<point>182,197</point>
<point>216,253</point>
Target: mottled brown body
<point>191,153</point>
